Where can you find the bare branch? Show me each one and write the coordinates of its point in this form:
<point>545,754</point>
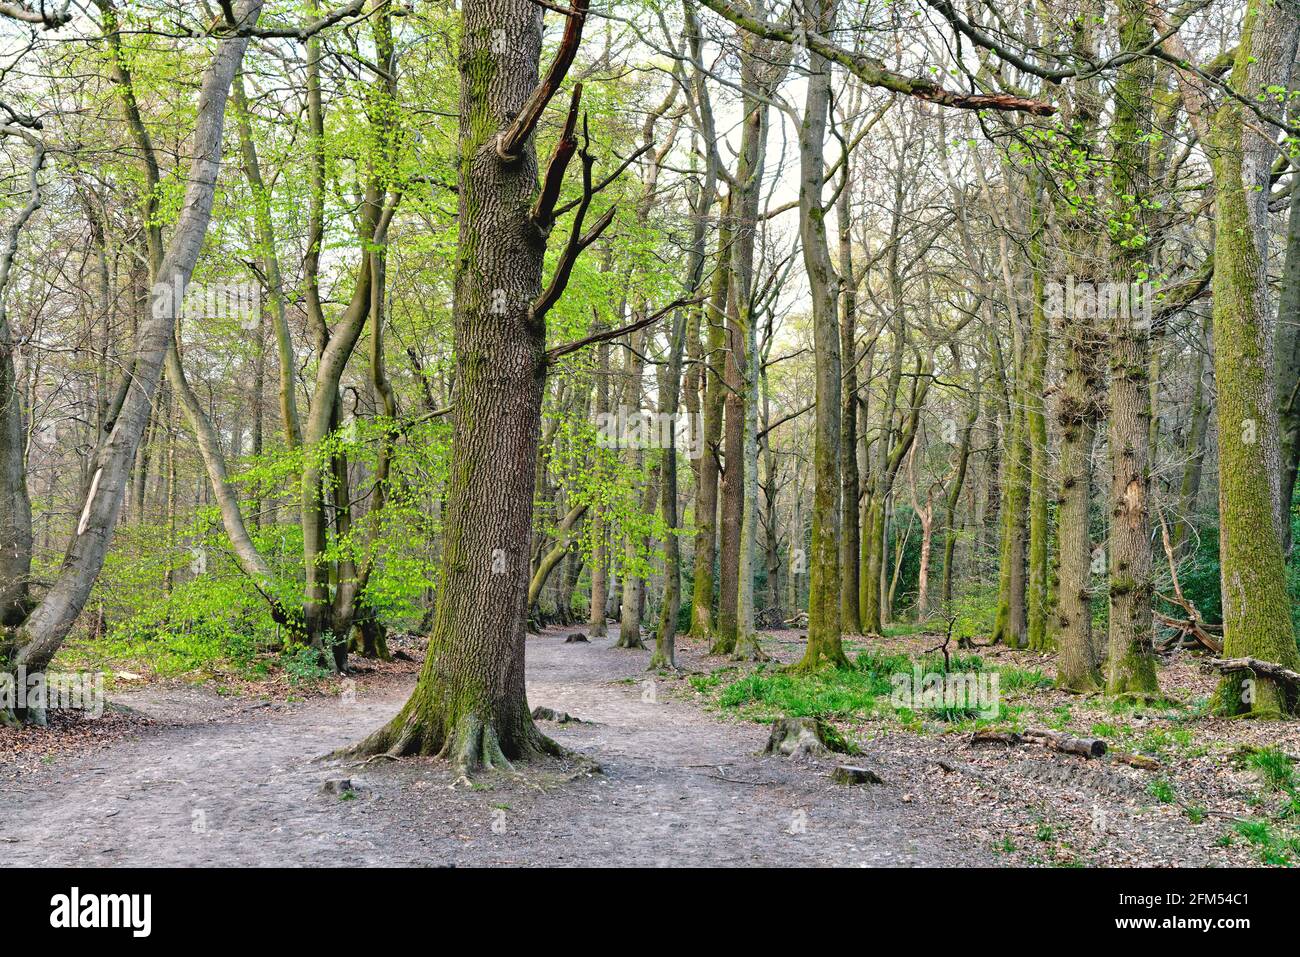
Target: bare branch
<point>608,334</point>
<point>543,215</point>
<point>45,15</point>
<point>875,73</point>
<point>578,240</point>
<point>604,183</point>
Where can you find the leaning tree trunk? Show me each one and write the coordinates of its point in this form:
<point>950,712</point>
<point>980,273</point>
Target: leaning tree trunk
<point>469,703</point>
<point>34,643</point>
<point>15,505</point>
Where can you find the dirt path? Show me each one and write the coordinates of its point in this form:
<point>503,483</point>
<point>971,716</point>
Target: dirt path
<point>235,785</point>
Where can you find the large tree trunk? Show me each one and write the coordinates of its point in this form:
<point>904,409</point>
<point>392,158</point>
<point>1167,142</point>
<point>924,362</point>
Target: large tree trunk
<point>469,703</point>
<point>1256,606</point>
<point>1130,666</point>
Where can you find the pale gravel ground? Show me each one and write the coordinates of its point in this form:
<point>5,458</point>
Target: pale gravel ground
<point>225,783</point>
<point>232,782</point>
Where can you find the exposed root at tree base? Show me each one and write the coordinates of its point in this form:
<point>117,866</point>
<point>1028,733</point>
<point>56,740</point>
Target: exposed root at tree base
<point>473,746</point>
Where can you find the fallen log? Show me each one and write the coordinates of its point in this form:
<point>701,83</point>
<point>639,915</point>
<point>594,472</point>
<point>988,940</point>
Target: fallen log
<point>1007,738</point>
<point>1057,741</point>
<point>1267,668</point>
<point>1137,761</point>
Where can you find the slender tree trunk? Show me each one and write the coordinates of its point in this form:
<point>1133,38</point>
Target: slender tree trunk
<point>1194,447</point>
<point>1037,610</point>
<point>706,497</point>
<point>596,625</point>
<point>824,644</point>
<point>850,535</point>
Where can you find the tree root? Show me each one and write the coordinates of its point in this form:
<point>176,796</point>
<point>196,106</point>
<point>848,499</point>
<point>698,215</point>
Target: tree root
<point>473,745</point>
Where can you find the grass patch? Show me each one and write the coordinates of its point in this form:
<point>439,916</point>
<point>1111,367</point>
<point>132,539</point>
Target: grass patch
<point>1273,847</point>
<point>1011,678</point>
<point>862,690</point>
<point>841,693</point>
<point>1274,767</point>
<point>1162,790</point>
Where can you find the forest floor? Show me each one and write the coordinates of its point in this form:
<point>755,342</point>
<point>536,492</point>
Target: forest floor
<point>176,774</point>
<point>189,777</point>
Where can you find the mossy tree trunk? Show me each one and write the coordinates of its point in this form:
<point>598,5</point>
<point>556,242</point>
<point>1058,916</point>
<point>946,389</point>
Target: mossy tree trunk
<point>824,644</point>
<point>706,497</point>
<point>1130,666</point>
<point>1038,635</point>
<point>1256,606</point>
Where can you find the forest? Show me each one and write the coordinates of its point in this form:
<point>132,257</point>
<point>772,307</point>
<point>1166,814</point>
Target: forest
<point>655,431</point>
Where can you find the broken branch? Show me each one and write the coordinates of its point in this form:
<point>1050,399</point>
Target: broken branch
<point>511,140</point>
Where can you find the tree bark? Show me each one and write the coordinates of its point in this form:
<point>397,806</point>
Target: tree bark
<point>1256,605</point>
<point>469,703</point>
<point>824,630</point>
<point>1131,667</point>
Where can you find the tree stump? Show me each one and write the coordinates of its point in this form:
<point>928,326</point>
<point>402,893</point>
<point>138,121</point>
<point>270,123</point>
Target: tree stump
<point>541,713</point>
<point>847,774</point>
<point>795,737</point>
